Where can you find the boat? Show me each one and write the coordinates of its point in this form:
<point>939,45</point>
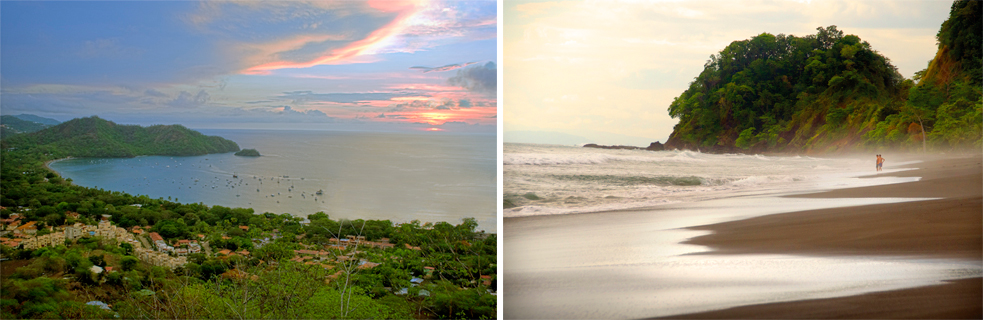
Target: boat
<point>319,192</point>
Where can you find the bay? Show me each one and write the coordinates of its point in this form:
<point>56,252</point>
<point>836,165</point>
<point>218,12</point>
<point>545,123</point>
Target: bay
<point>427,176</point>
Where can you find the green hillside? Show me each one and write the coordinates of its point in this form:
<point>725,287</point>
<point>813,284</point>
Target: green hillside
<point>832,92</point>
<point>11,125</point>
<point>34,118</point>
<point>946,100</point>
<point>95,137</point>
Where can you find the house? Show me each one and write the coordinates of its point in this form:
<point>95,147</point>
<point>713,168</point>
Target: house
<point>244,228</point>
<point>96,269</point>
<point>74,231</point>
<point>27,228</point>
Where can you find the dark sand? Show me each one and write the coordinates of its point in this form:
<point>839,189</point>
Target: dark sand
<point>951,227</point>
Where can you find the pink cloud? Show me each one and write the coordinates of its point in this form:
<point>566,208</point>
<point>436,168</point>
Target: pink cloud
<point>340,55</point>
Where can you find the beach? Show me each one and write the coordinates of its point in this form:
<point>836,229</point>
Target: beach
<point>823,254</point>
<point>950,227</point>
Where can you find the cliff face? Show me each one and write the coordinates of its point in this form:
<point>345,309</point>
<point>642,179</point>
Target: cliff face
<point>96,137</point>
<point>830,92</point>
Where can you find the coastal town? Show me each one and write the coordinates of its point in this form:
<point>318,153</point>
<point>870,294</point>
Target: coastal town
<point>14,234</point>
<point>151,248</point>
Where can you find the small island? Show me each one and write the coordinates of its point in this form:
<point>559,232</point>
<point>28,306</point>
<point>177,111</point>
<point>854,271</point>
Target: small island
<point>248,153</point>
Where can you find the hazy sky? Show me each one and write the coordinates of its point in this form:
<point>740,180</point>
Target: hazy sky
<point>383,64</point>
<point>614,66</point>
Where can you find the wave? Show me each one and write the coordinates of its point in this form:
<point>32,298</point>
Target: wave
<point>553,159</point>
<point>533,210</point>
<point>633,180</point>
<point>597,158</point>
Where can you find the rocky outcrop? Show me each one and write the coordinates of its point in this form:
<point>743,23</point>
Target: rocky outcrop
<point>656,146</point>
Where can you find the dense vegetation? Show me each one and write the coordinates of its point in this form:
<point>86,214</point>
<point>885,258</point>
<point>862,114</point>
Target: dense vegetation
<point>34,118</point>
<point>831,91</point>
<point>267,282</point>
<point>95,137</point>
<point>248,153</point>
<point>11,125</point>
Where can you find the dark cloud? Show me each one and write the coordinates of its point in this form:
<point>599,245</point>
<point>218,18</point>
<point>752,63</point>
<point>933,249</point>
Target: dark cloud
<point>480,79</point>
<point>433,105</point>
<point>357,97</point>
<point>447,105</point>
<point>412,105</point>
<point>444,68</point>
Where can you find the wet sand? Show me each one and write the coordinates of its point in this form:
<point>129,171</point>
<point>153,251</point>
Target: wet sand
<point>951,227</point>
<point>958,299</point>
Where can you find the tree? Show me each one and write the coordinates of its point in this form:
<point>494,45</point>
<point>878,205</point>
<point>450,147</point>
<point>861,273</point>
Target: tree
<point>128,262</point>
<point>921,105</point>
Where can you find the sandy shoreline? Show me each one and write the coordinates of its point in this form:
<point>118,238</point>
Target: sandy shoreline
<point>47,165</point>
<point>950,227</point>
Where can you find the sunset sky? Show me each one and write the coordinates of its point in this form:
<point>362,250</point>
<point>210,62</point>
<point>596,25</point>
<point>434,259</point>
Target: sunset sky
<point>387,65</point>
<point>606,71</point>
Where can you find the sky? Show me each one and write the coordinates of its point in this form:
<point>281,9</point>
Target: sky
<point>606,71</point>
<point>348,65</point>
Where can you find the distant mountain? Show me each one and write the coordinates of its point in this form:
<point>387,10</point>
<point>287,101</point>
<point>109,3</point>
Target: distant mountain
<point>11,125</point>
<point>96,137</point>
<point>41,120</point>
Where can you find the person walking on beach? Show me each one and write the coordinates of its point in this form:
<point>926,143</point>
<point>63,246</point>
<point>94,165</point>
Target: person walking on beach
<point>880,162</point>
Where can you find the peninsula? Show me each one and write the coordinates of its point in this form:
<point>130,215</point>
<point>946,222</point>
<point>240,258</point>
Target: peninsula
<point>97,137</point>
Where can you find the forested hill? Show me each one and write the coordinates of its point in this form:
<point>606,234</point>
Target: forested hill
<point>947,99</point>
<point>96,137</point>
<point>10,125</point>
<point>829,91</point>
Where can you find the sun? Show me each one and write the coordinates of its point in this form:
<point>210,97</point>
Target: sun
<point>435,118</point>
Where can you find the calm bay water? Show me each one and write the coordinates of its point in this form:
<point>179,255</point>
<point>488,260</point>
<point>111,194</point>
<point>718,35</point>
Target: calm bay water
<point>398,176</point>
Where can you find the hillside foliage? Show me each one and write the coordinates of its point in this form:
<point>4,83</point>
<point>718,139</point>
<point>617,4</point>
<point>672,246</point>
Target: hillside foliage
<point>267,283</point>
<point>11,125</point>
<point>829,91</point>
<point>96,137</point>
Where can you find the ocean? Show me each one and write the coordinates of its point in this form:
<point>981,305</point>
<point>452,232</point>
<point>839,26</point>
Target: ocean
<point>598,233</point>
<point>427,176</point>
<point>554,179</point>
